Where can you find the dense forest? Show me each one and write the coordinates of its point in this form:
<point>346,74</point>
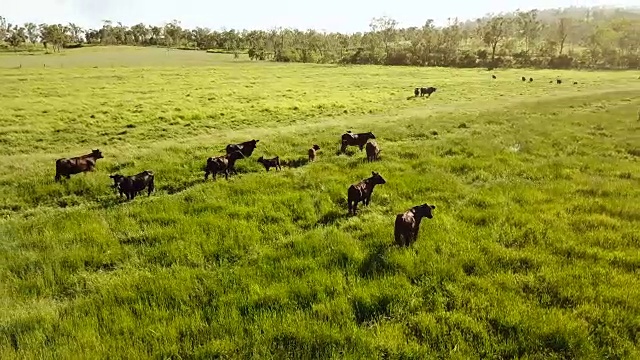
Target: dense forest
<point>602,38</point>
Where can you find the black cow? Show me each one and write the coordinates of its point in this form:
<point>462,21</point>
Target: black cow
<point>246,147</point>
<point>416,92</point>
<point>427,91</point>
<point>530,79</point>
<point>351,139</point>
<point>76,165</point>
<point>270,163</point>
<point>132,185</point>
<point>407,225</point>
<point>524,78</point>
<point>222,164</point>
<point>362,191</point>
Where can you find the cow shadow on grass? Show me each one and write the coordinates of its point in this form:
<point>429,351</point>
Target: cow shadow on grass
<point>332,217</point>
<point>377,262</point>
<point>296,163</point>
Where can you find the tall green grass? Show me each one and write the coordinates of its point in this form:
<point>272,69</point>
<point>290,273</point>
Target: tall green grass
<point>532,251</point>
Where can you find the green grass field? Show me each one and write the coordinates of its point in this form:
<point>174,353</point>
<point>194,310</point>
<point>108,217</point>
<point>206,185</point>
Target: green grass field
<point>533,251</point>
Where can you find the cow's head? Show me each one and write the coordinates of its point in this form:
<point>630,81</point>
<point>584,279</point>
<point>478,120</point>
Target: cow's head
<point>377,179</point>
<point>424,210</point>
<point>97,154</point>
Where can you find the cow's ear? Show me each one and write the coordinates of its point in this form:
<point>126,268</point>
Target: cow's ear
<point>433,206</point>
<point>374,173</point>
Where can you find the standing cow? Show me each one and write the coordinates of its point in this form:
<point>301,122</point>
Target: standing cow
<point>373,150</point>
<point>76,165</point>
<point>246,147</point>
<point>407,225</point>
<point>351,139</point>
<point>362,191</point>
<point>132,185</point>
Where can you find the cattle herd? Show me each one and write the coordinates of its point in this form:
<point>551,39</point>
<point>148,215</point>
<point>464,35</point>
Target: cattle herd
<point>406,226</point>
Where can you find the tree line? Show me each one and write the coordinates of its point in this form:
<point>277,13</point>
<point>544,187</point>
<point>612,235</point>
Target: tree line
<point>564,38</point>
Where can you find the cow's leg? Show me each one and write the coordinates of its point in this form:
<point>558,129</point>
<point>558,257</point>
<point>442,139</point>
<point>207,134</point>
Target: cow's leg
<point>206,175</point>
<point>226,174</point>
<point>343,147</point>
<point>57,177</point>
<point>355,207</point>
<point>68,176</point>
<point>150,189</point>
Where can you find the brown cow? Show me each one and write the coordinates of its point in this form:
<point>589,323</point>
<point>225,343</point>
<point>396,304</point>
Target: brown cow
<point>407,225</point>
<point>351,139</point>
<point>69,166</point>
<point>269,163</point>
<point>312,152</point>
<point>373,150</point>
<point>246,147</point>
<point>362,191</point>
<point>132,185</point>
<point>222,164</point>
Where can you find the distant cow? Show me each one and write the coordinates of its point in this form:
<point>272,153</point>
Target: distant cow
<point>416,92</point>
<point>269,163</point>
<point>575,83</point>
<point>132,185</point>
<point>312,152</point>
<point>524,78</point>
<point>558,81</point>
<point>362,191</point>
<point>373,150</point>
<point>407,225</point>
<point>351,139</point>
<point>246,147</point>
<point>427,91</point>
<point>222,164</point>
<point>493,76</point>
<point>69,166</point>
<point>531,79</point>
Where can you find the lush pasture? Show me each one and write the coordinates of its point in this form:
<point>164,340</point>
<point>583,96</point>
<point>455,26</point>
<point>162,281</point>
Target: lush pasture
<point>533,251</point>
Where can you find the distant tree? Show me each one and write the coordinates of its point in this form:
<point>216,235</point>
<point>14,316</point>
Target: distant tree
<point>17,37</point>
<point>385,28</point>
<point>492,32</point>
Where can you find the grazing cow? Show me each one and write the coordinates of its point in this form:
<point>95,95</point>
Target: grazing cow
<point>558,81</point>
<point>530,79</point>
<point>222,164</point>
<point>416,92</point>
<point>524,78</point>
<point>269,163</point>
<point>132,185</point>
<point>373,150</point>
<point>407,225</point>
<point>575,83</point>
<point>312,152</point>
<point>362,191</point>
<point>428,91</point>
<point>246,147</point>
<point>493,76</point>
<point>551,82</point>
<point>351,139</point>
<point>69,166</point>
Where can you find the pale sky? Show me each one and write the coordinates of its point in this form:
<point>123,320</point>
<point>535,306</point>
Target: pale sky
<point>330,15</point>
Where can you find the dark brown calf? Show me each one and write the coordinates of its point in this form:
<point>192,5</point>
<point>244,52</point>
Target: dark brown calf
<point>373,150</point>
<point>427,91</point>
<point>246,147</point>
<point>407,225</point>
<point>222,164</point>
<point>312,152</point>
<point>75,165</point>
<point>416,92</point>
<point>362,191</point>
<point>269,163</point>
<point>132,185</point>
<point>351,139</point>
<point>524,78</point>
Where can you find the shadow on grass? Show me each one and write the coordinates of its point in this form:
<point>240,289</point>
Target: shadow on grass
<point>332,217</point>
<point>296,163</point>
<point>377,262</point>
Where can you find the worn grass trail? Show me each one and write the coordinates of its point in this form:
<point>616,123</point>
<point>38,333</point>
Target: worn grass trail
<point>532,252</point>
